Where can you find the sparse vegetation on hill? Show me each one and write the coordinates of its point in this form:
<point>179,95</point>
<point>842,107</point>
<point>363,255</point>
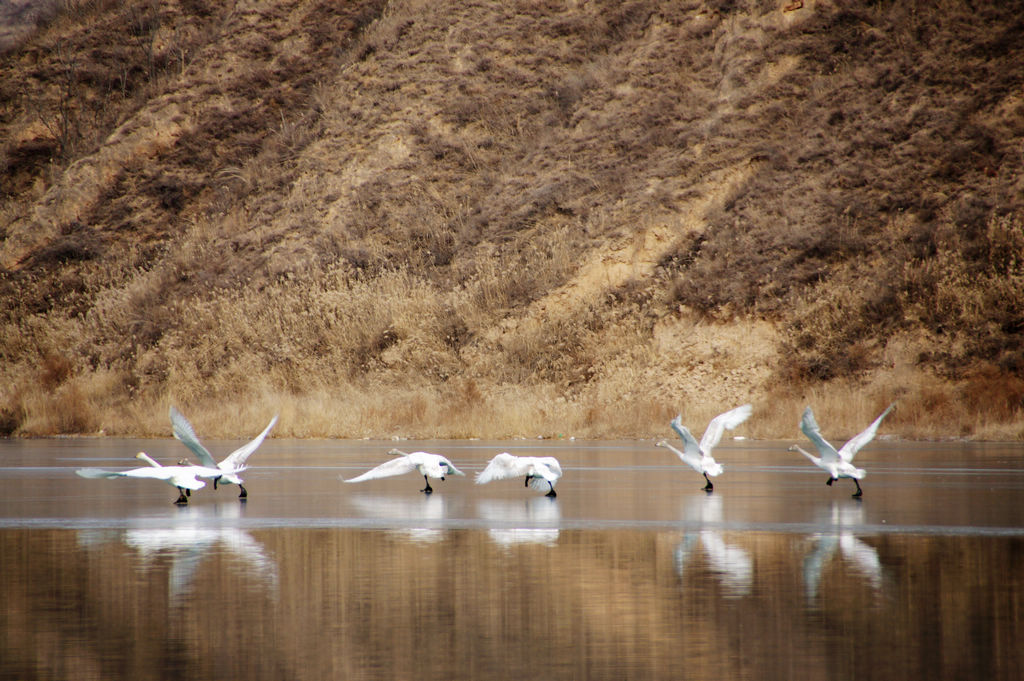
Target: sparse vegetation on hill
<point>500,219</point>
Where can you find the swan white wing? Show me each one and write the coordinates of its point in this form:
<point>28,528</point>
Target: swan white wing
<point>175,475</point>
<point>547,468</point>
<point>727,421</point>
<point>162,473</point>
<point>237,458</point>
<point>857,442</point>
<point>397,466</point>
<point>553,465</point>
<point>810,428</point>
<point>502,467</point>
<point>99,473</point>
<point>184,432</point>
<point>187,479</point>
<point>452,470</point>
<point>690,445</point>
<point>198,471</point>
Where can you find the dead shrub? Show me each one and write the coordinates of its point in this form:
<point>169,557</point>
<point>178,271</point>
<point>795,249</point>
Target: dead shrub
<point>10,421</point>
<point>833,331</point>
<point>54,370</point>
<point>991,391</point>
<point>554,350</point>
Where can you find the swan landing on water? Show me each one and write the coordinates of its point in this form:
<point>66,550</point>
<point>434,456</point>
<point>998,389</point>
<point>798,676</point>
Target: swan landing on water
<point>541,472</point>
<point>184,477</point>
<point>428,465</point>
<point>233,463</point>
<point>698,456</point>
<point>838,464</point>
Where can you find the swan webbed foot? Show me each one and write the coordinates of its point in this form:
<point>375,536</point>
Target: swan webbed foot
<point>427,490</point>
<point>551,494</point>
<point>182,498</point>
<point>708,487</point>
<point>243,493</point>
<point>859,493</point>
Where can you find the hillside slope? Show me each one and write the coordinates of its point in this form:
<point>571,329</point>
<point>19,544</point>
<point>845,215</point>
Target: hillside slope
<point>497,219</point>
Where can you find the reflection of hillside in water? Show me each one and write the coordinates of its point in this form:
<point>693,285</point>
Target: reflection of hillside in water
<point>731,564</point>
<point>522,521</point>
<point>841,521</point>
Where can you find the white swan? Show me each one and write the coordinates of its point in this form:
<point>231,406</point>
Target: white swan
<point>184,477</point>
<point>698,456</point>
<point>541,472</point>
<point>233,463</point>
<point>428,465</point>
<point>838,464</point>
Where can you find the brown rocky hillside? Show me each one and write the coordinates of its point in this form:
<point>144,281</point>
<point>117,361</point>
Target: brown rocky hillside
<point>518,218</point>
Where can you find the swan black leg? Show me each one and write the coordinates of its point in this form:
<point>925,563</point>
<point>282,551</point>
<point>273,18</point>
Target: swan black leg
<point>830,481</point>
<point>243,494</point>
<point>859,493</point>
<point>428,489</point>
<point>708,487</point>
<point>182,499</point>
<point>215,482</point>
<point>526,483</point>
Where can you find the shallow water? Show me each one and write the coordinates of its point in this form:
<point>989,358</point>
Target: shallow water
<point>632,572</point>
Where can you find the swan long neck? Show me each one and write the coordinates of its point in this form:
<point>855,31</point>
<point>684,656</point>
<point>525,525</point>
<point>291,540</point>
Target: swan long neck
<point>664,443</point>
<point>148,459</point>
<point>806,453</point>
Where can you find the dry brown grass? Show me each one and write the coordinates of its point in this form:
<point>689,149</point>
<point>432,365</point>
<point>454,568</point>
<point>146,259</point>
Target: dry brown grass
<point>498,220</point>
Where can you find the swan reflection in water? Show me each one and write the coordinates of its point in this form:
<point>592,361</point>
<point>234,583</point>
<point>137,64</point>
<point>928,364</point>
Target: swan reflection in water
<point>418,519</point>
<point>732,564</point>
<point>194,533</point>
<point>522,521</point>
<point>840,522</point>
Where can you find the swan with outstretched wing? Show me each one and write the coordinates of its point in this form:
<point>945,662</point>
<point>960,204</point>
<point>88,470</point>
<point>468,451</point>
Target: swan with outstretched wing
<point>838,463</point>
<point>426,464</point>
<point>539,472</point>
<point>233,464</point>
<point>697,455</point>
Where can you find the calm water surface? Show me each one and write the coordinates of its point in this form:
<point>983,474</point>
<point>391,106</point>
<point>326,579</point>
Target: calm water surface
<point>631,573</point>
